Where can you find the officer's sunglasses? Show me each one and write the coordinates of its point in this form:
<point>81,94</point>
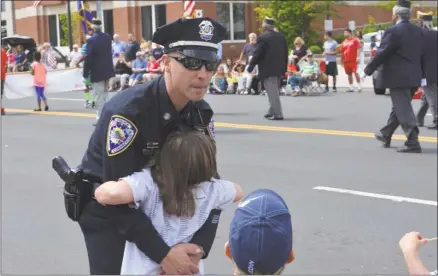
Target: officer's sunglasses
<point>195,64</point>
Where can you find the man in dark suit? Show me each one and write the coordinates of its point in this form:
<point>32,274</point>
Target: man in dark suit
<point>99,64</point>
<point>429,72</point>
<point>400,53</point>
<point>271,57</point>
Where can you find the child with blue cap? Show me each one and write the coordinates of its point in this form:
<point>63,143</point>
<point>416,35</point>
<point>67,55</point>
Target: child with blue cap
<point>260,239</point>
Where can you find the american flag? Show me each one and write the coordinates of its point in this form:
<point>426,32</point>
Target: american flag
<point>36,3</point>
<point>189,8</point>
<point>51,59</point>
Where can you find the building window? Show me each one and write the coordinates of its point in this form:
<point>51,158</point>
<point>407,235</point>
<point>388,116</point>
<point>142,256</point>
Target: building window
<point>160,15</point>
<point>3,5</point>
<point>53,33</point>
<point>4,29</point>
<point>232,16</point>
<point>108,22</point>
<point>146,22</point>
<point>223,15</point>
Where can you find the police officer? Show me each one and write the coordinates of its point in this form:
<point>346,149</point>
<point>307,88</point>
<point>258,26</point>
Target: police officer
<point>99,64</point>
<point>132,127</point>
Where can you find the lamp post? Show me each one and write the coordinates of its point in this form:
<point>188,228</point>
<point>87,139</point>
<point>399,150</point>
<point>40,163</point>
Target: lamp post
<point>70,38</point>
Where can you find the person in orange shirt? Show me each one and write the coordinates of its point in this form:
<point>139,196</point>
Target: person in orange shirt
<point>39,73</point>
<point>4,59</point>
<point>350,49</point>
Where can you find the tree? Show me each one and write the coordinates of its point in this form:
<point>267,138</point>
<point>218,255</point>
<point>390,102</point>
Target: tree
<point>294,18</point>
<point>64,27</point>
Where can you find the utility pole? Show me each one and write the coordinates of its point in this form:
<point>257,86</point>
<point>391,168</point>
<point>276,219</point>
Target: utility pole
<point>327,16</point>
<point>70,38</point>
<point>99,9</point>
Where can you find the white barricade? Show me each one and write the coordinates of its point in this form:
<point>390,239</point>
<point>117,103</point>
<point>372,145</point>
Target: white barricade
<point>20,85</point>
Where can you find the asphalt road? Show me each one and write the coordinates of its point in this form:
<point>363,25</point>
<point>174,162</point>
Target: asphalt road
<point>325,141</point>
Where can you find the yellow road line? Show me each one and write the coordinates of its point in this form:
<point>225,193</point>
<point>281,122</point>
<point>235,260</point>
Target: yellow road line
<point>245,126</point>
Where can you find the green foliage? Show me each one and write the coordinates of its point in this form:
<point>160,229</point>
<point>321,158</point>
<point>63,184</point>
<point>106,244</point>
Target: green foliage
<point>371,26</point>
<point>316,50</point>
<point>339,38</point>
<point>294,18</point>
<point>64,27</point>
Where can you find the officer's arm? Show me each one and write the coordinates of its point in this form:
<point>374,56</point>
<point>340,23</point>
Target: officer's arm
<point>88,61</point>
<point>121,151</point>
<point>390,43</point>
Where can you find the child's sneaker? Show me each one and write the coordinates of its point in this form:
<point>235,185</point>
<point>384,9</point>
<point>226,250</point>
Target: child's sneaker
<point>3,111</point>
<point>46,108</point>
<point>37,109</point>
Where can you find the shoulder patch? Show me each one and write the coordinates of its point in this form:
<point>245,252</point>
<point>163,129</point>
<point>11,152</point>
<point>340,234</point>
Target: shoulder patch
<point>121,133</point>
<point>211,130</point>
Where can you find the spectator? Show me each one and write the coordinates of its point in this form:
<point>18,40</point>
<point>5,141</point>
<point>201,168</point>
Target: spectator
<point>75,56</point>
<point>228,66</point>
<point>410,245</point>
<point>154,69</point>
<point>373,45</point>
<point>249,76</point>
<point>139,67</point>
<point>238,74</point>
<point>158,52</point>
<point>11,59</point>
<point>261,237</point>
<point>248,49</point>
<point>20,60</point>
<point>219,82</point>
<point>350,49</point>
<point>48,58</point>
<point>123,70</point>
<point>298,52</point>
<point>331,66</point>
<point>118,46</point>
<point>309,71</point>
<point>132,47</point>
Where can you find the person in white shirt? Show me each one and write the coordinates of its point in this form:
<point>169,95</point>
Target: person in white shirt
<point>249,76</point>
<point>177,193</point>
<point>75,56</point>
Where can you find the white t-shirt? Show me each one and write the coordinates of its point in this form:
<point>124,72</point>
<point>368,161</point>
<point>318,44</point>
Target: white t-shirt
<point>74,58</point>
<point>208,196</point>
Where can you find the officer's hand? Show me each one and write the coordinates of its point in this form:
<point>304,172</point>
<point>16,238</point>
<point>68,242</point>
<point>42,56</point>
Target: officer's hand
<point>178,261</point>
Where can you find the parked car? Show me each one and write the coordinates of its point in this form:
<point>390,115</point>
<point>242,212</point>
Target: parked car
<point>367,40</point>
<point>30,46</point>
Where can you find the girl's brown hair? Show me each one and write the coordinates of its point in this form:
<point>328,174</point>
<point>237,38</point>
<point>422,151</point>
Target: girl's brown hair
<point>185,160</point>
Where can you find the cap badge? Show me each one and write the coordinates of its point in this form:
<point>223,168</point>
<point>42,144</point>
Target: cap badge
<point>206,30</point>
<point>166,116</point>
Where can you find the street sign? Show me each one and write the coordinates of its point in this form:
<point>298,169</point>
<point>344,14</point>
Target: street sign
<point>352,25</point>
<point>328,25</point>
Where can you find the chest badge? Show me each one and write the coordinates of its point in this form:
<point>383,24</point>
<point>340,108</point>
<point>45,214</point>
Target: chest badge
<point>166,116</point>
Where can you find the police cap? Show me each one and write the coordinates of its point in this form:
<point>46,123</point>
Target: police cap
<point>403,3</point>
<point>96,22</point>
<point>193,37</point>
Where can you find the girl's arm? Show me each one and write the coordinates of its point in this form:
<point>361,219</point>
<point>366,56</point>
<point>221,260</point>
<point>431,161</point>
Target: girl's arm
<point>114,193</point>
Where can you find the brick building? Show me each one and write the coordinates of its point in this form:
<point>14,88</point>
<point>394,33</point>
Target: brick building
<point>143,17</point>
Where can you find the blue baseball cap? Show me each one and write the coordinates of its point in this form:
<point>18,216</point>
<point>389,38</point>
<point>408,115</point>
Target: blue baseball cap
<point>261,233</point>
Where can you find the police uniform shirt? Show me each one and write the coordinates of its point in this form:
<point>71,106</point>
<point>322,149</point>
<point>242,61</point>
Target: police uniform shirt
<point>175,230</point>
<point>134,124</point>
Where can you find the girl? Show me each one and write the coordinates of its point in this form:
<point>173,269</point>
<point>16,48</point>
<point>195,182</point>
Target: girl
<point>154,69</point>
<point>39,73</point>
<point>219,82</point>
<point>238,73</point>
<point>177,193</point>
<point>11,59</point>
<point>249,76</point>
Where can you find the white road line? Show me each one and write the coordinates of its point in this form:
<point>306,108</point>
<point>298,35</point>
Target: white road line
<point>66,99</point>
<point>380,196</point>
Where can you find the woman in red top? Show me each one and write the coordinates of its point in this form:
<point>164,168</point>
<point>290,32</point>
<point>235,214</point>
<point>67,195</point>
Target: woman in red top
<point>154,69</point>
<point>3,73</point>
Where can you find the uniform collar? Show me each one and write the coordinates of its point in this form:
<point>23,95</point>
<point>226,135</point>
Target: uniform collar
<point>168,112</point>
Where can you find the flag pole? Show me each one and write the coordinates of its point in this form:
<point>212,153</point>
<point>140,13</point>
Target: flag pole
<point>70,38</point>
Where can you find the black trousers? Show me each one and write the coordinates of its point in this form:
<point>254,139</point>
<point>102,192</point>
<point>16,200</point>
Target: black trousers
<point>402,114</point>
<point>105,245</point>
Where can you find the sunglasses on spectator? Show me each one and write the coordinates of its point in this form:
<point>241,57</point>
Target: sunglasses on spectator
<point>194,64</point>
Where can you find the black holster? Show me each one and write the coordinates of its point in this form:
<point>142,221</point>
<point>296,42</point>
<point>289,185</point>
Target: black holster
<point>77,191</point>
